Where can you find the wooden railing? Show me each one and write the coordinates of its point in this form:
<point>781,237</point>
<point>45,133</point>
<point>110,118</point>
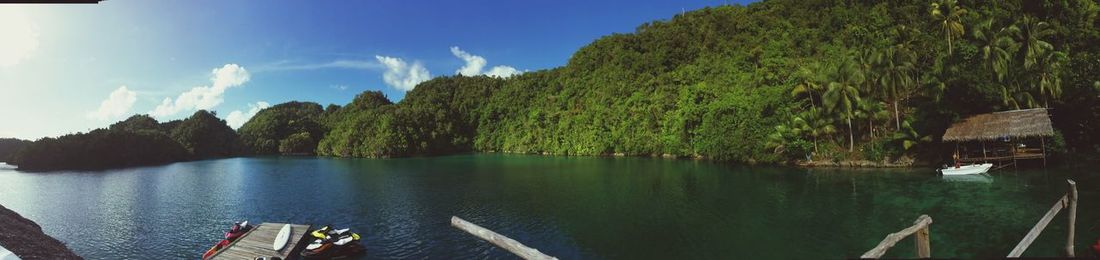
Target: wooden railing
<point>1068,201</point>
<point>920,228</point>
<point>499,240</point>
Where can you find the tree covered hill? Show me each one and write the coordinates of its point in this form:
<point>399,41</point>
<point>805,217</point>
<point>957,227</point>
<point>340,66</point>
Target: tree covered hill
<point>773,81</point>
<point>9,146</point>
<point>768,82</point>
<point>291,127</point>
<point>138,140</point>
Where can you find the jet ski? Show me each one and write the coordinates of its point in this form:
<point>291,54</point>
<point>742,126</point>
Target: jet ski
<point>336,244</point>
<point>236,231</point>
<point>214,249</point>
<point>320,233</point>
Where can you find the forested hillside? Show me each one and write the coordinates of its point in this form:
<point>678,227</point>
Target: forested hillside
<point>138,140</point>
<point>9,146</point>
<point>291,127</point>
<point>773,81</point>
<point>768,82</point>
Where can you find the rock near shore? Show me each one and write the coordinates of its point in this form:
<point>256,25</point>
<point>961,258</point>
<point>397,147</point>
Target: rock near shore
<point>26,239</point>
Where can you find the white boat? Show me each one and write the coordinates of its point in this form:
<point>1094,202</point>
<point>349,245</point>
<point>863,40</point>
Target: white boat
<point>967,169</point>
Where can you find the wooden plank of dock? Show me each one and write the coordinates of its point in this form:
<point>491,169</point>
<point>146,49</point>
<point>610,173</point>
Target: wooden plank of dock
<point>1068,201</point>
<point>258,242</point>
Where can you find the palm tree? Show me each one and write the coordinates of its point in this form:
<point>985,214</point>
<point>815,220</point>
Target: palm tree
<point>949,14</point>
<point>816,126</point>
<point>1031,33</point>
<point>842,95</point>
<point>909,136</point>
<point>782,135</point>
<point>996,46</point>
<point>806,123</point>
<point>1017,97</point>
<point>1048,66</point>
<point>872,111</point>
<point>865,64</point>
<point>897,77</point>
<point>809,84</point>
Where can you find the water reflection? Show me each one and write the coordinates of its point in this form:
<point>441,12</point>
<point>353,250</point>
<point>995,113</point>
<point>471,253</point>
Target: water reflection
<point>569,207</point>
<point>979,178</point>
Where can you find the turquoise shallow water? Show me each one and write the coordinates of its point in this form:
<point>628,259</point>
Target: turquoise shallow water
<point>569,207</point>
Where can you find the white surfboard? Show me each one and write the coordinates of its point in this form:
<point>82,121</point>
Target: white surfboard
<point>282,238</point>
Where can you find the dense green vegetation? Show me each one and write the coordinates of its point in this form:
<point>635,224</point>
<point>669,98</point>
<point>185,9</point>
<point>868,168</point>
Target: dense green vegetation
<point>292,127</point>
<point>9,146</point>
<point>204,135</point>
<point>769,82</point>
<point>774,81</point>
<point>138,140</point>
<point>440,116</point>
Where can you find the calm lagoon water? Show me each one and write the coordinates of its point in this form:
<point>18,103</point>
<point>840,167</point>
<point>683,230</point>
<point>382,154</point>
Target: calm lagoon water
<point>569,207</point>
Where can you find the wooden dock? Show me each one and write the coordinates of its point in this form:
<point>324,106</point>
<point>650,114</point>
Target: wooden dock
<point>924,250</point>
<point>258,242</point>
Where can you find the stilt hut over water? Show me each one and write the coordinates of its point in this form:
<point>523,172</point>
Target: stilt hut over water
<point>1002,137</point>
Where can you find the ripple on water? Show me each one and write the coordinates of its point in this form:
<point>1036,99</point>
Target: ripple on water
<point>569,207</point>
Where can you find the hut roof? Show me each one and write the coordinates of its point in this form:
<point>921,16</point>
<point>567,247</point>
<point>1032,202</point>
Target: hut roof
<point>1013,124</point>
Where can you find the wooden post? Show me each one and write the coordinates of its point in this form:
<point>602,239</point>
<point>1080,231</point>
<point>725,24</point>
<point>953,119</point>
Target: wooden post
<point>919,226</point>
<point>499,240</point>
<point>924,247</point>
<point>957,153</point>
<point>1069,201</point>
<point>1072,199</point>
<point>984,156</point>
<point>1043,145</point>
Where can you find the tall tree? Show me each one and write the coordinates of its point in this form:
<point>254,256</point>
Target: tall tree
<point>816,126</point>
<point>843,95</point>
<point>1032,36</point>
<point>948,14</point>
<point>809,83</point>
<point>1048,70</point>
<point>997,46</point>
<point>897,65</point>
<point>871,110</point>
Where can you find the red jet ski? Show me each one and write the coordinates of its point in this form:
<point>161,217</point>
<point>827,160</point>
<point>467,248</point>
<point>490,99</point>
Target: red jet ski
<point>234,232</point>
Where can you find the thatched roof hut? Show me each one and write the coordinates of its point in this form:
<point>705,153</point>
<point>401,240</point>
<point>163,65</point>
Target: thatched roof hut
<point>1013,124</point>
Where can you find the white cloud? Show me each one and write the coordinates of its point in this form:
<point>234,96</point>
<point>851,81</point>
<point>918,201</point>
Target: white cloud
<point>204,97</point>
<point>339,87</point>
<point>401,75</point>
<point>237,118</point>
<point>20,36</point>
<point>117,104</point>
<point>502,72</point>
<point>475,64</point>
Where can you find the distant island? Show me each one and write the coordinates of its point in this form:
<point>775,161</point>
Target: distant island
<point>9,146</point>
<point>770,82</point>
<point>139,140</point>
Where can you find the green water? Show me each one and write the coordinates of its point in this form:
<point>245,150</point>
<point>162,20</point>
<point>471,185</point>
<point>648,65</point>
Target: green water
<point>570,207</point>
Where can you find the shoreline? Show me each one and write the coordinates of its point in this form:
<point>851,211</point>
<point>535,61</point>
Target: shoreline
<point>25,238</point>
<point>903,162</point>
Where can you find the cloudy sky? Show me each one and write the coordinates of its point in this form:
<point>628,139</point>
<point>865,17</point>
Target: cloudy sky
<point>73,68</point>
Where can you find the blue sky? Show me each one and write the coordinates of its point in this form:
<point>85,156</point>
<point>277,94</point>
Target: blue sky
<point>73,68</point>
